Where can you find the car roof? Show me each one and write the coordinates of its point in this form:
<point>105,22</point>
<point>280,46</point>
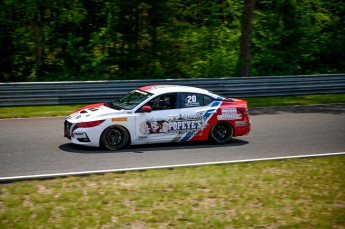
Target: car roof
<point>160,89</point>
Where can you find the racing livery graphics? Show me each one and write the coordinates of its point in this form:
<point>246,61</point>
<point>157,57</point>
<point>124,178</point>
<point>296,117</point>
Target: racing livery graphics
<point>178,125</point>
<point>158,114</point>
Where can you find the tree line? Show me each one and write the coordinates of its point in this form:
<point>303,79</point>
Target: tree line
<point>57,40</point>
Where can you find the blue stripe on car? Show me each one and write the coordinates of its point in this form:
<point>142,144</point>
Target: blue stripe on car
<point>187,136</point>
<point>207,115</point>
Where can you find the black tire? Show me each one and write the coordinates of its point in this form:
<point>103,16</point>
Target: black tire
<point>114,137</point>
<point>221,133</point>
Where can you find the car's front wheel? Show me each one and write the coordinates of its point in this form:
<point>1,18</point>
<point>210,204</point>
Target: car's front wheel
<point>114,137</point>
<point>221,133</point>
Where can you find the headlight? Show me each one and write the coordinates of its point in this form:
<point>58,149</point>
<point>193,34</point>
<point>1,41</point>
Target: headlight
<point>90,124</point>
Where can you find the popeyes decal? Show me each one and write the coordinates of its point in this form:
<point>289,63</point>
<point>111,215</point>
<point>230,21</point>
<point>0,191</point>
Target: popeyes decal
<point>179,125</point>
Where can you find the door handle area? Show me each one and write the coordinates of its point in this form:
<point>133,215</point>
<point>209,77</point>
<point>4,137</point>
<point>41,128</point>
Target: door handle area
<point>173,116</point>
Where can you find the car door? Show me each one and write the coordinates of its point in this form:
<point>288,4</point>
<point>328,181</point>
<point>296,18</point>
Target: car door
<point>194,113</point>
<point>156,126</point>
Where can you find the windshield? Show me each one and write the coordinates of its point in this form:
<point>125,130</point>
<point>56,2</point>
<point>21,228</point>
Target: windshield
<point>129,101</point>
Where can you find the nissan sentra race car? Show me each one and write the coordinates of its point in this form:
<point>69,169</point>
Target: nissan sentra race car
<point>159,114</point>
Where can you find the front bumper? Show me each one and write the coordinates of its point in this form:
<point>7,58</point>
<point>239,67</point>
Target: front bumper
<point>81,136</point>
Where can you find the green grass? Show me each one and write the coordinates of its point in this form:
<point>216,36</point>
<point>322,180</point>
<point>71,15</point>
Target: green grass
<point>293,193</point>
<point>296,100</point>
<point>37,111</point>
<point>63,110</point>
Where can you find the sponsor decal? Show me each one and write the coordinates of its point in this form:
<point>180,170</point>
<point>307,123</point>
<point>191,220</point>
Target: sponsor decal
<point>124,119</point>
<point>182,124</point>
<point>226,111</point>
<point>93,109</point>
<point>92,106</point>
<point>154,127</point>
<point>229,117</point>
<point>241,123</point>
<point>185,125</point>
<point>79,135</point>
<point>149,88</point>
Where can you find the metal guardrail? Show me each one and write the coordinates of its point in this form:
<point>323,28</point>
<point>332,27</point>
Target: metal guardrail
<point>85,92</point>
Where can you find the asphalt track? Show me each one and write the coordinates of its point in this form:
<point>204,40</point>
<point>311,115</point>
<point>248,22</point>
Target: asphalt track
<point>36,146</point>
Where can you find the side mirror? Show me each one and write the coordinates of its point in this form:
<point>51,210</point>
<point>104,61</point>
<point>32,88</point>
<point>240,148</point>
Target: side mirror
<point>146,109</point>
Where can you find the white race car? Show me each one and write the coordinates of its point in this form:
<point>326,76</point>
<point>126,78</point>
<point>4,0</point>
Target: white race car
<point>158,114</point>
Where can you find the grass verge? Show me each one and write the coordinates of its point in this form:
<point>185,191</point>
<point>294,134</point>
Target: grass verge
<point>64,110</point>
<point>293,193</point>
<point>296,100</point>
<point>37,111</point>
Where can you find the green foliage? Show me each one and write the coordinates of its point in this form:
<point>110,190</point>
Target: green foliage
<point>298,37</point>
<point>45,40</point>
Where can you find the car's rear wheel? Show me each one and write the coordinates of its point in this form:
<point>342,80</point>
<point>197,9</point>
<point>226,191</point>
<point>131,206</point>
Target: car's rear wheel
<point>221,132</point>
<point>114,137</point>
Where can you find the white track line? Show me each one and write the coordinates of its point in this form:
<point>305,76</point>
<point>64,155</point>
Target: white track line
<point>53,175</point>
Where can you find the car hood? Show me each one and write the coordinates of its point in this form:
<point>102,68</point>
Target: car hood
<point>93,112</point>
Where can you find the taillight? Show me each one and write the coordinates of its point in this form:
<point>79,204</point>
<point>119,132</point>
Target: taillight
<point>243,110</point>
<point>90,124</point>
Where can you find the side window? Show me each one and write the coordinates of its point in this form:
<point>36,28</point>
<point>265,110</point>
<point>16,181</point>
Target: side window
<point>207,100</point>
<point>163,102</point>
<point>189,100</point>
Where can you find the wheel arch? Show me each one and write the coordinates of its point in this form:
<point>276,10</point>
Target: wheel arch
<point>231,125</point>
<point>116,126</point>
